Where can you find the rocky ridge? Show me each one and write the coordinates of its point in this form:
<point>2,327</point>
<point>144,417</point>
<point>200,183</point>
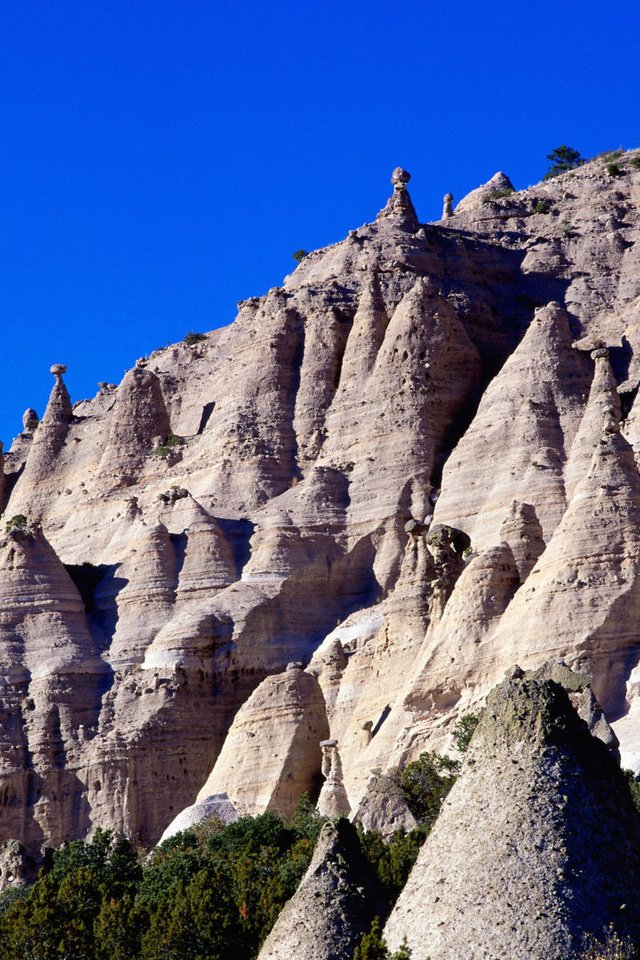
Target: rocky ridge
<point>412,465</point>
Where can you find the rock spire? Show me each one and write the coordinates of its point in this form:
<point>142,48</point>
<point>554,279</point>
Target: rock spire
<point>399,205</point>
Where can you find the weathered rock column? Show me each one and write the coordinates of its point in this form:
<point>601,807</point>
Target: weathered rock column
<point>30,421</point>
<point>399,204</point>
<point>333,801</point>
<point>447,206</point>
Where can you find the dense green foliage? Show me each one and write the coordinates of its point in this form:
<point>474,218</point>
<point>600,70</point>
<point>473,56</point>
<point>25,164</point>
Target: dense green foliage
<point>209,893</point>
<point>373,947</point>
<point>464,730</point>
<point>392,860</point>
<point>299,255</point>
<point>206,894</point>
<point>563,159</point>
<point>192,338</point>
<point>425,784</point>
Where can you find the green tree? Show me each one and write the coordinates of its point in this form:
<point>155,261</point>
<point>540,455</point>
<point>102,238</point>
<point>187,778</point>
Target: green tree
<point>464,730</point>
<point>425,784</point>
<point>392,861</point>
<point>373,946</point>
<point>299,255</point>
<point>563,159</point>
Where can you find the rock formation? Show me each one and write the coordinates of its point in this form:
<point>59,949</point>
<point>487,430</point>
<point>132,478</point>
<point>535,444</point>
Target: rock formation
<point>383,807</point>
<point>447,206</point>
<point>399,205</point>
<point>217,806</point>
<point>334,905</point>
<point>410,466</point>
<point>333,801</point>
<point>537,845</point>
<point>271,755</point>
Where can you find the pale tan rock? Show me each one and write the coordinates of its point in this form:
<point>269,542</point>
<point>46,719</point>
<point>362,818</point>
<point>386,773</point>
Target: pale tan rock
<point>521,435</point>
<point>521,529</point>
<point>396,375</point>
<point>218,807</point>
<point>333,801</point>
<point>48,442</point>
<point>399,205</point>
<point>478,198</point>
<point>447,206</point>
<point>139,423</point>
<point>552,808</point>
<point>579,601</point>
<point>334,905</point>
<point>603,407</point>
<point>30,420</point>
<point>272,754</point>
<point>383,807</point>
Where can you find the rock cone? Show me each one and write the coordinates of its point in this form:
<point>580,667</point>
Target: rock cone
<point>333,906</point>
<point>537,845</point>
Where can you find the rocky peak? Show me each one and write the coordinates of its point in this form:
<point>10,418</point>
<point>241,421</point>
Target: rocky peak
<point>399,205</point>
<point>537,845</point>
<point>497,186</point>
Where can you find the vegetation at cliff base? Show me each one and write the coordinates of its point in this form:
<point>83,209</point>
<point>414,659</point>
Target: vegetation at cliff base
<point>210,893</point>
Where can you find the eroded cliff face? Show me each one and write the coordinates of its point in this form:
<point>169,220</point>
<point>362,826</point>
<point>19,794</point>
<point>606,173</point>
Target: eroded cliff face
<point>409,467</point>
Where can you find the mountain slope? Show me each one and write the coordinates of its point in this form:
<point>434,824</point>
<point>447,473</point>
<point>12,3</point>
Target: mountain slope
<point>241,503</point>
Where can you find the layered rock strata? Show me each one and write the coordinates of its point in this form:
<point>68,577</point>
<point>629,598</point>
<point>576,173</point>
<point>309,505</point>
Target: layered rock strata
<point>411,465</point>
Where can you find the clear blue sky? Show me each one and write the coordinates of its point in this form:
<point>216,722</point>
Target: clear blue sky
<point>161,159</point>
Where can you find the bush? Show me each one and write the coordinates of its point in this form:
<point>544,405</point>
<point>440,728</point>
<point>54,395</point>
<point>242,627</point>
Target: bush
<point>170,442</point>
<point>635,163</point>
<point>373,946</point>
<point>633,780</point>
<point>497,195</point>
<point>610,155</point>
<point>464,730</point>
<point>425,784</point>
<point>563,159</point>
<point>614,170</point>
<point>19,521</point>
<point>299,255</point>
<point>541,207</point>
<point>611,946</point>
<point>192,338</point>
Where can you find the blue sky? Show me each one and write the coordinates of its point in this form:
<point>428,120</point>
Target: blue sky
<point>161,159</point>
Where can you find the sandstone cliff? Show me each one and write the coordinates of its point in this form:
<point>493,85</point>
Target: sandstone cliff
<point>410,466</point>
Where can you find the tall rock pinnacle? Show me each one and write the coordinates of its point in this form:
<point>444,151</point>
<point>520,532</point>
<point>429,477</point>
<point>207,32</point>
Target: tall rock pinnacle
<point>399,205</point>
